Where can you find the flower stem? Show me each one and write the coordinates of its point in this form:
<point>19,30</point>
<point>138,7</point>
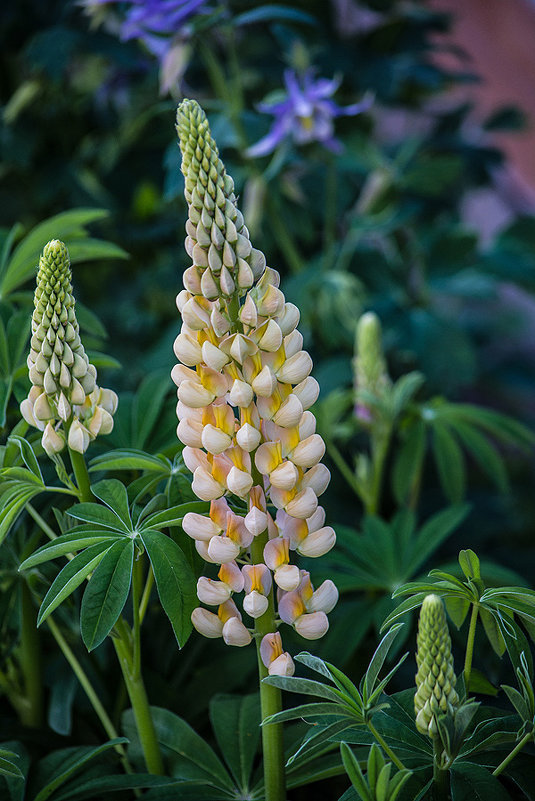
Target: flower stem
<point>43,525</point>
<point>509,758</point>
<point>440,776</point>
<point>470,646</point>
<point>386,748</point>
<point>88,688</point>
<point>270,697</point>
<point>380,443</point>
<point>81,475</point>
<point>138,695</point>
<point>31,712</point>
<point>343,467</point>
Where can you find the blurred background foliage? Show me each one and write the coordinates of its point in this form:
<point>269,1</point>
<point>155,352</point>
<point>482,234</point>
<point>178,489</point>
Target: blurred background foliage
<point>366,216</point>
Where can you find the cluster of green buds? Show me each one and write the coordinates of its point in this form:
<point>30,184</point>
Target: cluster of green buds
<point>64,401</point>
<point>435,679</point>
<point>244,392</point>
<point>370,370</point>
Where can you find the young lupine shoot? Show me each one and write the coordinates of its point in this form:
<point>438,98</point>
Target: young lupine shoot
<point>244,391</point>
<point>378,784</point>
<point>435,679</point>
<point>64,401</point>
<point>370,370</point>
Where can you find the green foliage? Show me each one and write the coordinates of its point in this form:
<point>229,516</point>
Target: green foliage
<point>377,786</point>
<point>114,535</point>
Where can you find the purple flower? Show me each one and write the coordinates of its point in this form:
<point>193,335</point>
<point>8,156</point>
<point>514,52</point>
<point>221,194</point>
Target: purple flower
<point>306,114</point>
<point>154,22</point>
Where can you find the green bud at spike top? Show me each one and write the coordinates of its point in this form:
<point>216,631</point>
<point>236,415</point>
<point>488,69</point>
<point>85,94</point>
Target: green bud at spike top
<point>217,240</point>
<point>435,679</point>
<point>64,401</point>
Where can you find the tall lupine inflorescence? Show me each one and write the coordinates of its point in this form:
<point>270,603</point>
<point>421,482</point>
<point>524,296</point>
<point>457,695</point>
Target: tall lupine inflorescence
<point>435,679</point>
<point>64,402</point>
<point>244,392</point>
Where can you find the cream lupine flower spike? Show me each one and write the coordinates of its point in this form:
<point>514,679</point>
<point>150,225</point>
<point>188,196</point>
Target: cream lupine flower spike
<point>244,390</point>
<point>64,400</point>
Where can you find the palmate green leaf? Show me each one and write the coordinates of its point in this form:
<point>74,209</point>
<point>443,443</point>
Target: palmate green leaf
<point>501,426</point>
<point>72,541</point>
<point>236,724</point>
<point>68,579</point>
<point>175,581</point>
<point>457,609</point>
<point>113,493</point>
<point>98,515</point>
<point>69,762</point>
<point>449,461</point>
<point>189,756</point>
<point>130,459</point>
<point>471,782</point>
<point>20,475</point>
<point>106,593</point>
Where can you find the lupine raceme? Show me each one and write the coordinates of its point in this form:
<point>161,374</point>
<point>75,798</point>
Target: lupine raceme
<point>435,679</point>
<point>244,392</point>
<point>64,401</point>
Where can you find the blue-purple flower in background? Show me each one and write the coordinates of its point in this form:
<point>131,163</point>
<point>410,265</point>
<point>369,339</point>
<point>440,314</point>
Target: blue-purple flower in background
<point>160,25</point>
<point>306,113</point>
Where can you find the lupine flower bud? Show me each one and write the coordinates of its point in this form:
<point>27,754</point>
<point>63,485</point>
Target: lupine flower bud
<point>435,679</point>
<point>370,369</point>
<point>64,401</point>
<point>244,388</point>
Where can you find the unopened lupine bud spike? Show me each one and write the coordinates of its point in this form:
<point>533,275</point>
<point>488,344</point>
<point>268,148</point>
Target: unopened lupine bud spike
<point>63,392</point>
<point>244,387</point>
<point>435,679</point>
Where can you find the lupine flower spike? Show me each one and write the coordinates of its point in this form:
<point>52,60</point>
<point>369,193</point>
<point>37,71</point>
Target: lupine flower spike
<point>64,401</point>
<point>435,679</point>
<point>244,392</point>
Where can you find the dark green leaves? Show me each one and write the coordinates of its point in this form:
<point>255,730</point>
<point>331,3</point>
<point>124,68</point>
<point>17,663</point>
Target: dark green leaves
<point>106,593</point>
<point>109,541</point>
<point>175,581</point>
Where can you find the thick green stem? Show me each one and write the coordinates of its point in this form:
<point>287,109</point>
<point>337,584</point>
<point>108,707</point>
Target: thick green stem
<point>440,776</point>
<point>31,712</point>
<point>270,697</point>
<point>380,444</point>
<point>386,748</point>
<point>81,475</point>
<point>518,747</point>
<point>138,697</point>
<point>143,604</point>
<point>470,646</point>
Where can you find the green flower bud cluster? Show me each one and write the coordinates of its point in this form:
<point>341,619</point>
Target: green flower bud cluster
<point>64,400</point>
<point>217,239</point>
<point>435,679</point>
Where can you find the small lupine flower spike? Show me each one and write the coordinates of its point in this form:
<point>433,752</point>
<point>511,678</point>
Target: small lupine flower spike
<point>370,370</point>
<point>64,401</point>
<point>435,679</point>
<point>244,390</point>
